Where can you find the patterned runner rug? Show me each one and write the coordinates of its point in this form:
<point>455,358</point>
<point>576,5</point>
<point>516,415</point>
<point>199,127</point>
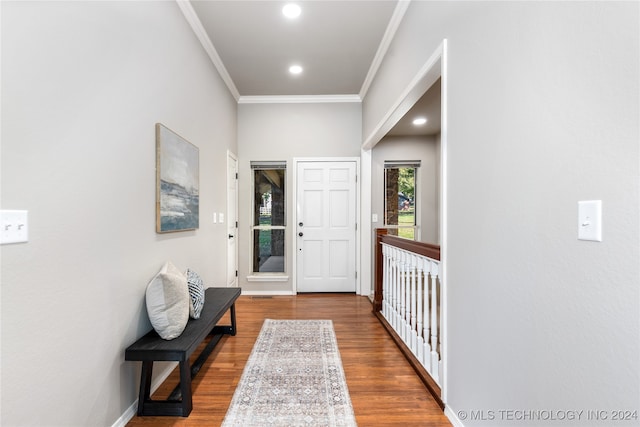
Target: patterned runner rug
<point>293,377</point>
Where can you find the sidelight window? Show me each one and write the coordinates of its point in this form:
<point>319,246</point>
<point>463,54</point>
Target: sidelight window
<point>400,198</point>
<point>268,216</point>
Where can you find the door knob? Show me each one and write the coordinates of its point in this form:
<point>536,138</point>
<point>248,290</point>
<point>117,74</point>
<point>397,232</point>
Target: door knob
<point>301,234</point>
<point>231,236</point>
<point>300,224</point>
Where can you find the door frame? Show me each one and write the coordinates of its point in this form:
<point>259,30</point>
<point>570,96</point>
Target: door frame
<point>231,156</point>
<point>294,219</point>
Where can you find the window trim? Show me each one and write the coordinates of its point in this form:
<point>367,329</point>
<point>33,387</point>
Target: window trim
<point>263,276</point>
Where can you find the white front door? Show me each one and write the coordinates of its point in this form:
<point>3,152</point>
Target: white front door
<point>232,220</point>
<point>326,226</point>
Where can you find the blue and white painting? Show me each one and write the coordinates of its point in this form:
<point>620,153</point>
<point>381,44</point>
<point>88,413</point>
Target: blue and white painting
<point>177,165</point>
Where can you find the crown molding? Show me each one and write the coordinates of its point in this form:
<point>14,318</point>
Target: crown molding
<point>201,34</point>
<point>388,36</point>
<point>299,99</point>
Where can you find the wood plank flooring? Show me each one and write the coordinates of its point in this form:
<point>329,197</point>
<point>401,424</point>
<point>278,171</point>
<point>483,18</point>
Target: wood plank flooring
<point>383,387</point>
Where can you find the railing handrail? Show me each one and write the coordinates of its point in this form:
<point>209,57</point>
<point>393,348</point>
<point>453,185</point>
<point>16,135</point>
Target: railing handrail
<point>425,249</point>
<point>407,301</point>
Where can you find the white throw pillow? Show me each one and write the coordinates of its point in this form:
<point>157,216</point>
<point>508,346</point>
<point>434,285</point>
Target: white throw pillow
<point>168,302</point>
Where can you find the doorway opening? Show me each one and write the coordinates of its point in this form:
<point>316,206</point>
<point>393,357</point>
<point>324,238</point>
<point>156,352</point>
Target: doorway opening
<point>432,73</point>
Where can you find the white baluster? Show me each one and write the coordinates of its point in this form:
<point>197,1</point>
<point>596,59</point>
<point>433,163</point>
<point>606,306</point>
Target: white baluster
<point>403,292</point>
<point>385,280</point>
<point>407,298</point>
<point>435,368</point>
<point>427,318</point>
<point>400,320</point>
<point>419,309</point>
<point>389,280</point>
<point>396,288</point>
<point>413,320</point>
<point>391,284</point>
<point>406,284</point>
<point>400,323</point>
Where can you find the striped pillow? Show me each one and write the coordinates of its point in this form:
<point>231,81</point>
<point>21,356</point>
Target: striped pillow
<point>196,292</point>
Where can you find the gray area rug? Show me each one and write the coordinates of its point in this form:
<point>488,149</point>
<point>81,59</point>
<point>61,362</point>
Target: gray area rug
<point>293,377</point>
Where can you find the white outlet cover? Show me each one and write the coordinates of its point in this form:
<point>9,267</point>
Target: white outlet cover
<point>14,226</point>
<point>590,220</point>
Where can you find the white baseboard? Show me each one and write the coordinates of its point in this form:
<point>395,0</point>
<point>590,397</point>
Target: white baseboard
<point>267,293</point>
<point>453,416</point>
<point>131,411</point>
<point>127,416</point>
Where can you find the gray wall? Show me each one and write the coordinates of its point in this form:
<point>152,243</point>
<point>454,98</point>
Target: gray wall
<point>425,149</point>
<point>543,112</point>
<point>284,132</point>
<point>83,84</point>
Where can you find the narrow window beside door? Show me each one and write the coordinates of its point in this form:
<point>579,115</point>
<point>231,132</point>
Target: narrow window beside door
<point>400,198</point>
<point>268,216</point>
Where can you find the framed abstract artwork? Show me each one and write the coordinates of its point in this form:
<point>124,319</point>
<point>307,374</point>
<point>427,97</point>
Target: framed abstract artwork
<point>177,182</point>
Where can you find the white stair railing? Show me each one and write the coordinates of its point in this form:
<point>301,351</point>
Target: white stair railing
<point>411,303</point>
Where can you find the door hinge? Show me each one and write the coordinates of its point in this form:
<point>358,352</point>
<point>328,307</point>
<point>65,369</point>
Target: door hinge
<point>356,274</point>
<point>236,175</point>
<point>236,273</point>
<point>356,226</point>
<point>236,224</point>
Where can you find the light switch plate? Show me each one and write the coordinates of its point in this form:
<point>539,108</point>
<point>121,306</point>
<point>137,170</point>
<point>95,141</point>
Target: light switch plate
<point>14,226</point>
<point>590,220</point>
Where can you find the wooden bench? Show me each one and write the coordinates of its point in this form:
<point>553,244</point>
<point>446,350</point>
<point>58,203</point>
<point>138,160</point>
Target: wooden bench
<point>151,348</point>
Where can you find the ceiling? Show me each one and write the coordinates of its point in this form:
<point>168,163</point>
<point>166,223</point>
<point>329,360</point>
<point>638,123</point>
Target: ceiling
<point>338,44</point>
<point>428,106</point>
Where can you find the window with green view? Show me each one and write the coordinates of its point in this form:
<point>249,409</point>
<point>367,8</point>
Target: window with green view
<point>268,216</point>
<point>400,198</point>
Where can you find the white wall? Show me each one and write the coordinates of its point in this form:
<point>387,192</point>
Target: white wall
<point>425,149</point>
<point>543,112</point>
<point>83,84</point>
<point>284,132</point>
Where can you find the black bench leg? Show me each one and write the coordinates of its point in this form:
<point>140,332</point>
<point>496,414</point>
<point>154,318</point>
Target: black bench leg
<point>233,319</point>
<point>145,385</point>
<point>185,388</point>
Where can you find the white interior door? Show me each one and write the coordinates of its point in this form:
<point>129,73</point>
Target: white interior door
<point>326,228</point>
<point>232,220</point>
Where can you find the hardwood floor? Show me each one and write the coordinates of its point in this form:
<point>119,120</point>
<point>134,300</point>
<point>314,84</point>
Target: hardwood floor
<point>383,387</point>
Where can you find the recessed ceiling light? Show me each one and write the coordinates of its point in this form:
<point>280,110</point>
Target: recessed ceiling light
<point>291,10</point>
<point>295,69</point>
<point>419,121</point>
